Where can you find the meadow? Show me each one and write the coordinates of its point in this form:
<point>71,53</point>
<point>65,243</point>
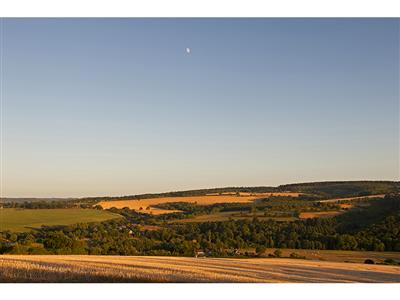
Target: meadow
<point>341,256</point>
<point>20,220</point>
<point>60,268</point>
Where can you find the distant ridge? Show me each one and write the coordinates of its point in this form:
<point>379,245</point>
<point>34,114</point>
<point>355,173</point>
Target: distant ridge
<point>323,188</point>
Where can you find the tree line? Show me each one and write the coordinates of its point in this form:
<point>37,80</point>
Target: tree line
<point>128,236</point>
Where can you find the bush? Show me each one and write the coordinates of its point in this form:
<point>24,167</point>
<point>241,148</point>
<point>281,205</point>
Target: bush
<point>296,255</point>
<point>390,261</point>
<point>37,249</point>
<point>369,262</point>
<point>278,253</point>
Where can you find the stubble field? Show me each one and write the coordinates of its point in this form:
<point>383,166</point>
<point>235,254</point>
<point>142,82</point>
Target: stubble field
<point>144,205</point>
<point>14,268</point>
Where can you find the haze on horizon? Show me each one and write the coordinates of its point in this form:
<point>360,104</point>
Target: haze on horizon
<point>97,107</point>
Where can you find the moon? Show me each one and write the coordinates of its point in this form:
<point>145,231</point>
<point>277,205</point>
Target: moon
<point>188,50</point>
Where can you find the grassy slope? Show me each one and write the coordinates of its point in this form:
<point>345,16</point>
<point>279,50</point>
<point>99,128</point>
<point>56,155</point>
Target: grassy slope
<point>19,220</point>
<point>340,255</point>
<point>18,268</point>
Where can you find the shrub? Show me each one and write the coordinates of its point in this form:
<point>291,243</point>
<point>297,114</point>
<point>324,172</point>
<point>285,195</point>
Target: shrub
<point>369,262</point>
<point>278,253</point>
<point>390,261</point>
<point>296,255</point>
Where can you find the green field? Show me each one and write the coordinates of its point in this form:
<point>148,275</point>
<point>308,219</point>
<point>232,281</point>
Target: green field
<point>337,255</point>
<point>19,220</point>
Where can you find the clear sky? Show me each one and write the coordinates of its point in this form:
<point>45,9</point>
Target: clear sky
<point>117,106</point>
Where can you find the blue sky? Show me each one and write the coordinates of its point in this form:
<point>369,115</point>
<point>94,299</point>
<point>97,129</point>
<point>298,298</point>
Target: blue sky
<point>116,106</point>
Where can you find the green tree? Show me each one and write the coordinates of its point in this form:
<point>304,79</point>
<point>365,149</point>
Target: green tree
<point>57,241</point>
<point>347,242</point>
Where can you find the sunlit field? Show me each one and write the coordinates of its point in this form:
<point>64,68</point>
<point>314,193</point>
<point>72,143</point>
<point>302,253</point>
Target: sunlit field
<point>145,205</point>
<point>182,269</point>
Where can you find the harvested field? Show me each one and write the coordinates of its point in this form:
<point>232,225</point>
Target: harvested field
<point>149,227</point>
<point>144,205</point>
<point>319,214</point>
<point>346,205</point>
<point>14,268</point>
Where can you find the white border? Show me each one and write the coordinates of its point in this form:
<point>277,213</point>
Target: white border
<point>199,291</point>
<point>199,8</point>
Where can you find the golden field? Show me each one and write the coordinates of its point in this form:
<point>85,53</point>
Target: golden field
<point>24,268</point>
<point>319,214</point>
<point>146,204</point>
